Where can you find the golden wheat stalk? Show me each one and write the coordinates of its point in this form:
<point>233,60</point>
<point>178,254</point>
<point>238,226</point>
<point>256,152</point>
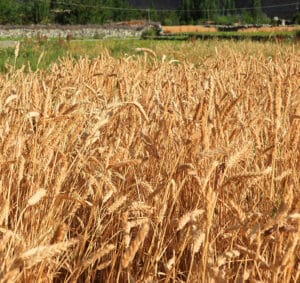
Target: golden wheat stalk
<point>98,255</point>
<point>146,50</point>
<point>133,248</point>
<point>188,218</point>
<point>38,254</point>
<point>36,197</point>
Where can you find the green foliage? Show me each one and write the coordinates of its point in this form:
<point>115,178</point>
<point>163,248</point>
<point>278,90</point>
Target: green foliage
<point>150,32</point>
<point>209,8</point>
<point>263,19</point>
<point>258,16</point>
<point>30,51</point>
<point>227,7</point>
<point>169,18</point>
<point>41,11</point>
<point>10,12</point>
<point>225,20</point>
<point>99,12</point>
<point>296,19</point>
<point>168,22</point>
<point>99,35</point>
<point>185,13</point>
<point>257,11</point>
<point>247,18</point>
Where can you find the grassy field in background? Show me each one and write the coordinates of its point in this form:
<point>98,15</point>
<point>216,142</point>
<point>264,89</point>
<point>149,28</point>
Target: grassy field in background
<point>40,54</point>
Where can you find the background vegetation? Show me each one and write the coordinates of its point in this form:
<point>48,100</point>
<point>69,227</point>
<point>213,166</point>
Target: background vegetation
<point>100,11</point>
<point>40,52</point>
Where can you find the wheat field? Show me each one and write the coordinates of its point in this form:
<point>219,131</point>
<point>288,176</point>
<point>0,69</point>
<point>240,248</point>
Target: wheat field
<point>146,169</point>
<point>191,28</point>
<point>203,29</point>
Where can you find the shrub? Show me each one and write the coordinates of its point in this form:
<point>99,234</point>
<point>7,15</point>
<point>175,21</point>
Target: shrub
<point>247,18</point>
<point>167,22</point>
<point>99,35</point>
<point>296,19</point>
<point>224,20</point>
<point>149,32</point>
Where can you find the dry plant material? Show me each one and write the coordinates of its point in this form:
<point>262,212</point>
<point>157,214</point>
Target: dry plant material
<point>36,197</point>
<point>59,233</point>
<point>134,246</point>
<point>175,168</point>
<point>146,50</point>
<point>181,29</point>
<point>189,217</point>
<point>36,255</point>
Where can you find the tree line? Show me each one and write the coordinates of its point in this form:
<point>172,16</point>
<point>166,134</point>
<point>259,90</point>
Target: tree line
<point>99,12</point>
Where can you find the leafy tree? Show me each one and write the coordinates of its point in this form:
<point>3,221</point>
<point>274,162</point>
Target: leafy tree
<point>120,15</point>
<point>228,7</point>
<point>196,13</point>
<point>40,11</point>
<point>153,13</point>
<point>186,14</point>
<point>257,10</point>
<point>63,12</point>
<point>247,18</point>
<point>209,9</point>
<point>99,11</point>
<point>169,18</point>
<point>296,19</point>
<point>9,12</point>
